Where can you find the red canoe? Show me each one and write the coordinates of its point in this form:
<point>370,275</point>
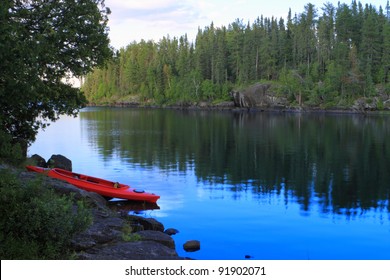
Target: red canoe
<point>103,187</point>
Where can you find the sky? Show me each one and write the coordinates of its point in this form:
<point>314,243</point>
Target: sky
<point>133,20</point>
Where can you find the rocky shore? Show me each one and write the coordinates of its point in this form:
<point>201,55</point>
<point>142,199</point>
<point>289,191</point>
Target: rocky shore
<point>263,97</point>
<point>114,235</point>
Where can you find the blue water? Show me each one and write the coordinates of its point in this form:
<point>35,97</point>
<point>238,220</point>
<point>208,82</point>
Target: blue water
<point>213,198</point>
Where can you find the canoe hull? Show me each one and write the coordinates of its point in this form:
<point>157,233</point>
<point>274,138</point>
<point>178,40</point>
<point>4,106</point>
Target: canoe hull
<point>92,184</point>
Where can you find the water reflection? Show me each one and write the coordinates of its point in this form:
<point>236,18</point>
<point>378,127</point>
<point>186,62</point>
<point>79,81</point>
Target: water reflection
<point>273,186</point>
<point>340,163</point>
<point>131,206</point>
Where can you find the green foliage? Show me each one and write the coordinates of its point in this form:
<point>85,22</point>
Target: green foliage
<point>128,236</point>
<point>36,223</point>
<point>43,44</point>
<point>318,57</point>
<point>10,153</point>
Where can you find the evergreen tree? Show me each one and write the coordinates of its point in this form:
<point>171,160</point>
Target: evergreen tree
<point>326,37</point>
<point>385,68</point>
<point>334,57</point>
<point>371,45</point>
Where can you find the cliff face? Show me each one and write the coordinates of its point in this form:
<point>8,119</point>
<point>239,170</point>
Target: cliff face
<point>258,96</point>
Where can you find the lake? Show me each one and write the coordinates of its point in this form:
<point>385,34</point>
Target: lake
<point>272,186</point>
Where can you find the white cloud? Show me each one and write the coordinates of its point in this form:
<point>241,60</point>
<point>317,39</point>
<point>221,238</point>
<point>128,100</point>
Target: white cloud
<point>152,19</point>
<point>140,5</point>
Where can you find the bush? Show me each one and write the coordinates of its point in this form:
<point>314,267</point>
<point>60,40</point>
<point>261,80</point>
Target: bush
<point>37,223</point>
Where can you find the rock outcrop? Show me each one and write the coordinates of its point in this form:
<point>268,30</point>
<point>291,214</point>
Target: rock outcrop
<point>108,237</point>
<point>258,96</point>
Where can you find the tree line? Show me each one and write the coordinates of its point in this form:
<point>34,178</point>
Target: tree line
<point>327,55</point>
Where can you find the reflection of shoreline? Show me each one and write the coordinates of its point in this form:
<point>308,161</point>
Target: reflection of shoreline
<point>269,154</point>
<point>124,205</point>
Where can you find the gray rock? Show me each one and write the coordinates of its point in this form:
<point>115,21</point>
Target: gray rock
<point>192,246</point>
<point>171,231</point>
<point>147,223</point>
<point>59,161</point>
<point>103,239</point>
<point>258,96</point>
<point>63,188</point>
<point>141,250</point>
<point>38,161</point>
<point>157,236</point>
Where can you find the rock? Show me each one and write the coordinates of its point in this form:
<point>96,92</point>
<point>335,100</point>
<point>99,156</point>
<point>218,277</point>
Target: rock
<point>59,161</point>
<point>147,223</point>
<point>225,104</point>
<point>171,231</point>
<point>157,236</point>
<point>93,199</point>
<point>103,239</point>
<point>258,96</point>
<point>102,231</point>
<point>192,246</point>
<point>203,104</point>
<point>154,225</point>
<point>38,161</point>
<point>141,250</point>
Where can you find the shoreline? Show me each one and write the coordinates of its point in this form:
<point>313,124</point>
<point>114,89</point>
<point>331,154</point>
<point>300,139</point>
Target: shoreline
<point>224,107</point>
<point>114,234</point>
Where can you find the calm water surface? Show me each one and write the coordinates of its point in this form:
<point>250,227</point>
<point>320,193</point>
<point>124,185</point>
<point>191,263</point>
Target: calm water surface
<point>271,186</point>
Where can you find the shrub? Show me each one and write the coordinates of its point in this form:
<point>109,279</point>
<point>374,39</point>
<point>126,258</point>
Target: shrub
<point>37,223</point>
<point>128,236</point>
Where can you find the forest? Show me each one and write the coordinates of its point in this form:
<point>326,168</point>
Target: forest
<point>324,56</point>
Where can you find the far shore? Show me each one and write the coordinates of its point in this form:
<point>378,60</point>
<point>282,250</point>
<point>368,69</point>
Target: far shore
<point>229,107</point>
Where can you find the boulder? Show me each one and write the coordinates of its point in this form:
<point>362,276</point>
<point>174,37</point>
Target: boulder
<point>38,161</point>
<point>157,236</point>
<point>59,161</point>
<point>146,223</point>
<point>171,231</point>
<point>191,246</point>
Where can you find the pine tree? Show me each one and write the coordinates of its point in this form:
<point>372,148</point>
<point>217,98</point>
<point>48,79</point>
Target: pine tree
<point>326,37</point>
<point>371,45</point>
